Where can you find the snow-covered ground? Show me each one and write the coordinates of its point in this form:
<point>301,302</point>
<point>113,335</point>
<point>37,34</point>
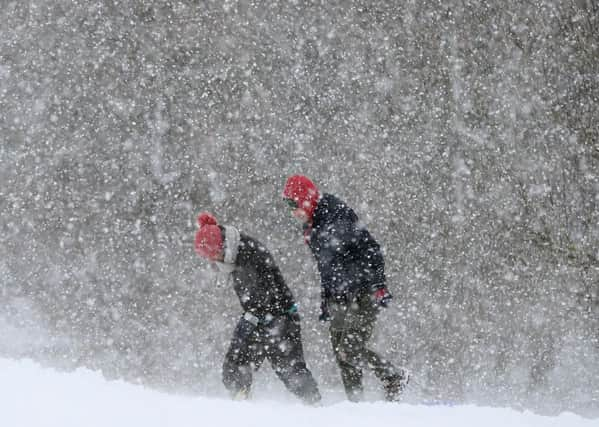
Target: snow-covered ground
<point>34,396</point>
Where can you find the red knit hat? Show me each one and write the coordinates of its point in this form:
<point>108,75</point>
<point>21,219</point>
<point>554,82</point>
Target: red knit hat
<point>303,192</point>
<point>209,240</point>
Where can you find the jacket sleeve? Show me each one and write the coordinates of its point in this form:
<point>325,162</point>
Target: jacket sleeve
<point>336,242</point>
<point>374,261</point>
<point>351,260</point>
<point>240,341</point>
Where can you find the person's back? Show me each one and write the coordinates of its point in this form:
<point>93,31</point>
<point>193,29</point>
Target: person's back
<point>353,285</point>
<point>349,258</point>
<point>258,281</point>
<point>270,325</point>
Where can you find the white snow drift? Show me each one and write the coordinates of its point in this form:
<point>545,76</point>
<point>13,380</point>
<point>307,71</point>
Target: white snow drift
<point>34,396</point>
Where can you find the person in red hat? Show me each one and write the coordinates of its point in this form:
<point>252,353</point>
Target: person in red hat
<point>353,289</point>
<point>270,325</point>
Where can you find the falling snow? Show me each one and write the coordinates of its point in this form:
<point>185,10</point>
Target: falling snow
<point>463,133</point>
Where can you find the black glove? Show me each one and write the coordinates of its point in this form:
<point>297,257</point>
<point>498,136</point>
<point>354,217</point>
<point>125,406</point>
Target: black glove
<point>325,316</point>
<point>293,313</point>
<point>246,325</point>
<point>381,296</point>
<point>241,335</point>
<point>295,317</point>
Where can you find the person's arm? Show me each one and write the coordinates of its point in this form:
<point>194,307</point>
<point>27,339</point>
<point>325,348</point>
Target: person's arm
<point>336,241</point>
<point>360,262</point>
<point>241,335</point>
<point>374,261</point>
<point>372,257</point>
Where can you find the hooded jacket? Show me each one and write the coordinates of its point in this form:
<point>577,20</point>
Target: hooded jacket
<point>349,260</point>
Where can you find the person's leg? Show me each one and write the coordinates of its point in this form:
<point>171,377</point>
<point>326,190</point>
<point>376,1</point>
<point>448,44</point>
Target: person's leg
<point>348,338</point>
<point>286,354</point>
<point>394,380</point>
<point>244,354</point>
<point>351,329</point>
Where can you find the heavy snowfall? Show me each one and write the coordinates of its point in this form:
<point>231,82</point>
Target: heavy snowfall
<point>463,133</point>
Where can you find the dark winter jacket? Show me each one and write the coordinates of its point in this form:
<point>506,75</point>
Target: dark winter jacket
<point>350,261</point>
<point>258,281</point>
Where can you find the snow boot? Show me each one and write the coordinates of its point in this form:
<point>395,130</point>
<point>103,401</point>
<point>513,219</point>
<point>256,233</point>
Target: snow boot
<point>242,394</point>
<point>395,385</point>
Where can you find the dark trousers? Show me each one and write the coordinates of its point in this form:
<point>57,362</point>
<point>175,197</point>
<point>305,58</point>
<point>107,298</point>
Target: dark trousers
<point>350,330</point>
<point>280,343</point>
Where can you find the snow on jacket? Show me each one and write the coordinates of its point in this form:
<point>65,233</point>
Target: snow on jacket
<point>349,260</point>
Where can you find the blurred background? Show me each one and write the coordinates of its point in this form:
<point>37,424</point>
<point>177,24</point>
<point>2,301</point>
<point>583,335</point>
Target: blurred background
<point>463,133</point>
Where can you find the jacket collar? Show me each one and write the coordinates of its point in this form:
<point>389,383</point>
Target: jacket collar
<point>232,241</point>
